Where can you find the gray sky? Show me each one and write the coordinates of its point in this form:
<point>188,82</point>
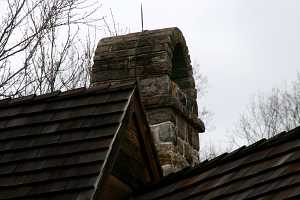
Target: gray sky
<point>242,46</point>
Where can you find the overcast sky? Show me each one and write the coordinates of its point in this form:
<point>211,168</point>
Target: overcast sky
<point>242,46</point>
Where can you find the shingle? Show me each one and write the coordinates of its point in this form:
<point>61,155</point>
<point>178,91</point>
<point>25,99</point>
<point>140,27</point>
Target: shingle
<point>61,127</point>
<point>64,103</point>
<point>50,163</point>
<point>53,146</point>
<point>263,170</point>
<point>50,174</point>
<point>49,117</point>
<point>291,192</point>
<point>51,139</point>
<point>58,149</point>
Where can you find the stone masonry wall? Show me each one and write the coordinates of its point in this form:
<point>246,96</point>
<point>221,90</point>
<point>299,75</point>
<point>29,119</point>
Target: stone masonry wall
<point>175,135</point>
<point>160,62</point>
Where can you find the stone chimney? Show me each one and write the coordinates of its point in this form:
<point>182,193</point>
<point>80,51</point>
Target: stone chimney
<point>159,60</point>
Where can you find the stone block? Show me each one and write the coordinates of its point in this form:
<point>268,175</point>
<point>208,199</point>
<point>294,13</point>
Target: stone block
<point>180,146</point>
<point>182,127</point>
<point>166,152</point>
<point>168,169</point>
<point>155,86</point>
<point>191,92</point>
<point>166,147</point>
<point>196,159</point>
<point>190,131</point>
<point>181,97</point>
<point>188,103</point>
<point>159,115</point>
<point>165,158</point>
<point>170,159</point>
<point>192,106</point>
<point>157,69</point>
<point>188,152</point>
<point>195,141</point>
<point>113,75</point>
<point>165,132</point>
<point>155,136</point>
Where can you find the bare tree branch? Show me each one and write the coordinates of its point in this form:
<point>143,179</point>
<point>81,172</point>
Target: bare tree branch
<point>269,115</point>
<point>41,45</point>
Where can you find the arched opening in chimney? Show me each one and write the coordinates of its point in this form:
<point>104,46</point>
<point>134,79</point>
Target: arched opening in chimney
<point>179,65</point>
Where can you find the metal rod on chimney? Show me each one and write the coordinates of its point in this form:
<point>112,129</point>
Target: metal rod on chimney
<point>142,17</point>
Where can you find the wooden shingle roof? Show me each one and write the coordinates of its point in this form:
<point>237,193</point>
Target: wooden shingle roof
<point>268,169</point>
<point>60,146</point>
<point>55,146</point>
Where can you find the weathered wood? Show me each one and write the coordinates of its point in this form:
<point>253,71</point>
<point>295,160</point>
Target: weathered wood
<point>114,188</point>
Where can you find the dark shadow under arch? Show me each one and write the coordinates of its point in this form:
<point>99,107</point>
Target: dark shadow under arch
<point>180,65</point>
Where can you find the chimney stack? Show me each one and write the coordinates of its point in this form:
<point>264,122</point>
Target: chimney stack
<point>159,59</point>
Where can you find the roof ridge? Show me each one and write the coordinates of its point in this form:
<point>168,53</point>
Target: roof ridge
<point>101,88</point>
<point>277,139</point>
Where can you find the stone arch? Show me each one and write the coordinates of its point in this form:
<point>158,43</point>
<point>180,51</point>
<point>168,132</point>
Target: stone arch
<point>143,55</point>
<point>180,66</point>
<point>181,70</point>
